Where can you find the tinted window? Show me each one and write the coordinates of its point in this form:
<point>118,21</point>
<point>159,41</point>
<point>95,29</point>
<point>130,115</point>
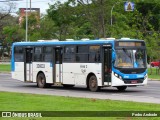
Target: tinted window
<point>18,54</point>
<point>82,49</point>
<point>38,54</point>
<point>47,49</point>
<point>69,49</point>
<point>38,50</point>
<point>94,55</point>
<point>69,53</point>
<point>82,57</point>
<point>82,54</point>
<point>18,50</point>
<point>48,54</point>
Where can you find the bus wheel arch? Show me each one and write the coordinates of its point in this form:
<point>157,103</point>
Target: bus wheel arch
<point>92,82</point>
<point>41,80</point>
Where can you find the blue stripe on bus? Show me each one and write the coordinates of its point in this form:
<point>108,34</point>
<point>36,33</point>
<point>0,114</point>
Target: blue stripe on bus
<point>67,42</point>
<point>12,60</point>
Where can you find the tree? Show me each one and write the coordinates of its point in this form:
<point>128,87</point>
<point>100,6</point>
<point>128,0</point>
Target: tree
<point>62,15</point>
<point>96,12</point>
<point>5,19</point>
<point>47,28</point>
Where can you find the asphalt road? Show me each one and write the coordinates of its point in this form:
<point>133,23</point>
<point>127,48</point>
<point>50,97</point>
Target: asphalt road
<point>148,94</point>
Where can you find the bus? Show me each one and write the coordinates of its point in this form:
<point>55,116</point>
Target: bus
<point>119,63</point>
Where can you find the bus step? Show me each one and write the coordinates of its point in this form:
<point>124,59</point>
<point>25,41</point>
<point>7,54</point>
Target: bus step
<point>58,84</point>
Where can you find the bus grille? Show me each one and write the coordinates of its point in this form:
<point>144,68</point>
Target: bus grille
<point>132,70</point>
<point>133,81</point>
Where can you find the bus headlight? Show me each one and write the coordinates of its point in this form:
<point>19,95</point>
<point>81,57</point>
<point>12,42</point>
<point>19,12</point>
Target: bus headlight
<point>118,76</point>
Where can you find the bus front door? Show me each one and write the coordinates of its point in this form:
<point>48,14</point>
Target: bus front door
<point>107,64</point>
<point>58,65</point>
<point>28,65</point>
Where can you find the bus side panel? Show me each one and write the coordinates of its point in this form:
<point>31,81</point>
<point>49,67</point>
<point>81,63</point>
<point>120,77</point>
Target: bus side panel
<point>44,67</point>
<point>76,73</point>
<point>84,69</point>
<point>18,72</point>
<point>68,73</point>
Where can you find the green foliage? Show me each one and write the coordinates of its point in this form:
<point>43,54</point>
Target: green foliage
<point>48,30</point>
<point>92,19</point>
<point>62,15</point>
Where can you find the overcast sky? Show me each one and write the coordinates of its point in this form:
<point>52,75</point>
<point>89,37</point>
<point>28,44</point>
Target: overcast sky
<point>42,4</point>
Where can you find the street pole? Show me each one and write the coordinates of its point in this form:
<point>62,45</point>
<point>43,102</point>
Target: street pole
<point>111,13</point>
<point>30,7</point>
<point>26,20</point>
<point>112,10</point>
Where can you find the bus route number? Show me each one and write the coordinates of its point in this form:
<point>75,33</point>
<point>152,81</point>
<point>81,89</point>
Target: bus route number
<point>40,65</point>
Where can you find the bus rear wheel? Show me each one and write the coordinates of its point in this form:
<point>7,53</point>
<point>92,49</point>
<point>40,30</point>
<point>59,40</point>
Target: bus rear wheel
<point>121,88</point>
<point>41,80</point>
<point>93,85</point>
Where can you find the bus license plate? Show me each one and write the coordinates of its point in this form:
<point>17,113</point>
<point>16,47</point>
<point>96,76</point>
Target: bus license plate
<point>134,81</point>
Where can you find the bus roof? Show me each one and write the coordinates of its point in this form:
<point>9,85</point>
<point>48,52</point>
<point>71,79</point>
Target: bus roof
<point>99,41</point>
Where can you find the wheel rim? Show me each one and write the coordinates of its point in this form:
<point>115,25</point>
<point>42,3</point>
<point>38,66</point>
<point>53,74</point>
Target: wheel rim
<point>41,81</point>
<point>93,83</point>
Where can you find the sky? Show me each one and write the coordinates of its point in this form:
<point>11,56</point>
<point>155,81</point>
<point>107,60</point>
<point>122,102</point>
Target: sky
<point>42,4</point>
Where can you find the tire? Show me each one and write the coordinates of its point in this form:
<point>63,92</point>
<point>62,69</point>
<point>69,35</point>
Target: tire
<point>121,88</point>
<point>41,80</point>
<point>93,85</point>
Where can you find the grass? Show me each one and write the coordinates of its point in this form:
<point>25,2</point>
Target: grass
<point>5,67</point>
<point>32,102</point>
<point>153,73</point>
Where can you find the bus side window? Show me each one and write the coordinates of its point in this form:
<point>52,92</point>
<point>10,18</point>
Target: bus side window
<point>48,54</point>
<point>69,54</point>
<point>94,53</point>
<point>18,54</point>
<point>82,53</point>
<point>38,54</point>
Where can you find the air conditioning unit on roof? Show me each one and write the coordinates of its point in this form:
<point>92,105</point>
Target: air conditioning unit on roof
<point>125,38</point>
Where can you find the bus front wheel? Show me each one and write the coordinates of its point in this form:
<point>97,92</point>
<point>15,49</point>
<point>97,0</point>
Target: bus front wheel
<point>121,88</point>
<point>41,80</point>
<point>93,85</point>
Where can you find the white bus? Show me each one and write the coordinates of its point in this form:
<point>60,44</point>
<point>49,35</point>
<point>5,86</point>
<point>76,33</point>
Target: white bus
<point>93,63</point>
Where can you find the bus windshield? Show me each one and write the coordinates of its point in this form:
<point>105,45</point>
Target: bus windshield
<point>129,58</point>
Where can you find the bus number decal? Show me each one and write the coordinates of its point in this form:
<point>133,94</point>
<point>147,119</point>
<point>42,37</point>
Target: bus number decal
<point>83,68</point>
<point>40,65</point>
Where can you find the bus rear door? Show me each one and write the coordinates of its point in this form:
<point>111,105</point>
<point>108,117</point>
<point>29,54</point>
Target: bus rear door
<point>107,52</point>
<point>58,65</point>
<point>28,72</point>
